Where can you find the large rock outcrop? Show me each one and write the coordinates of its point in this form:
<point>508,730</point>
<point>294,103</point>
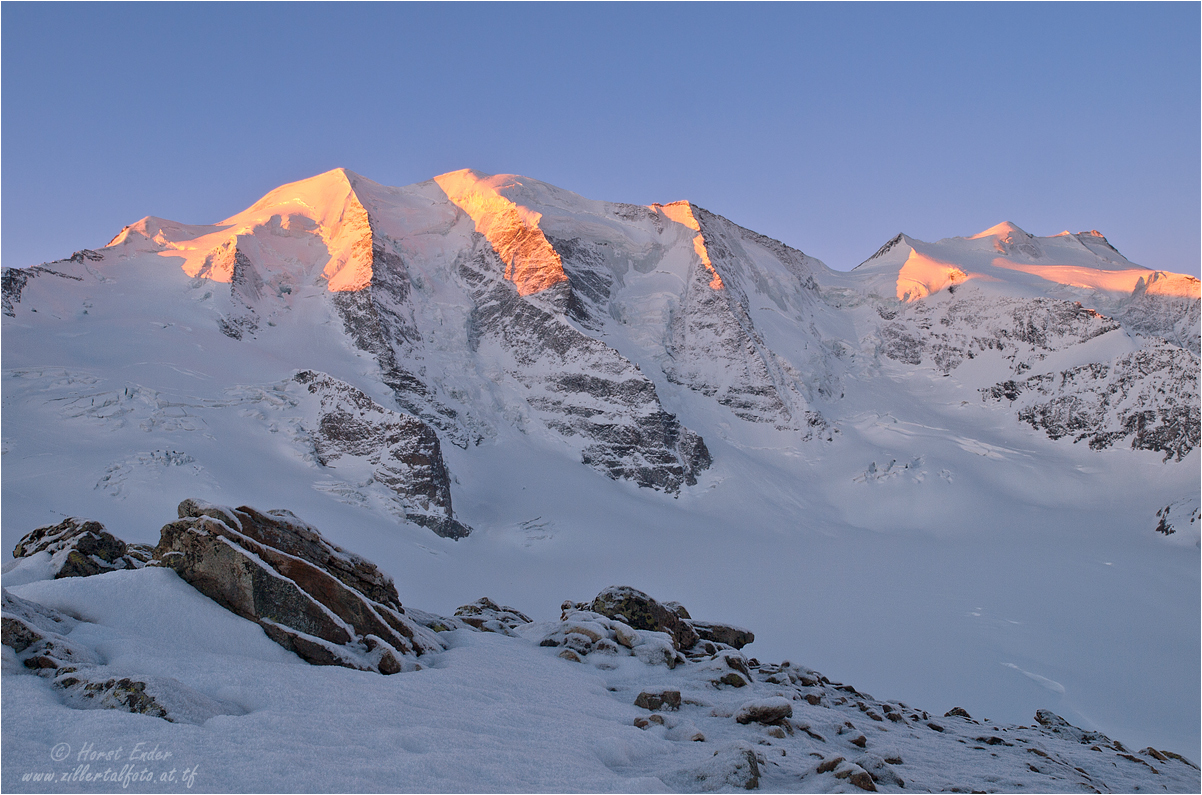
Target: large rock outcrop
<point>325,604</point>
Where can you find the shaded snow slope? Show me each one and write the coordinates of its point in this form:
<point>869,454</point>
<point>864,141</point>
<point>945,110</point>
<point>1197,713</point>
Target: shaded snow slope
<point>500,713</point>
<point>947,492</point>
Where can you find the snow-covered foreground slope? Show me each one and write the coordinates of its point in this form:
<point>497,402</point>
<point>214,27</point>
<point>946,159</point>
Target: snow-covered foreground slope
<point>947,494</point>
<point>497,713</point>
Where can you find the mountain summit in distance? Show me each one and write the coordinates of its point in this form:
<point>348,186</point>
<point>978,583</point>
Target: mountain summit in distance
<point>961,473</point>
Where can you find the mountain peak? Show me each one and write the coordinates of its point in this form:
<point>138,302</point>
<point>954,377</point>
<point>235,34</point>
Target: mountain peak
<point>1004,230</point>
<point>315,194</point>
<point>679,211</point>
<point>531,263</point>
<point>325,205</point>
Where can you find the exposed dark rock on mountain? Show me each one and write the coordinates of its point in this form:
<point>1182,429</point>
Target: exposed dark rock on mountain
<point>328,606</point>
<point>380,321</point>
<point>716,324</point>
<point>404,452</point>
<point>81,548</point>
<point>947,329</point>
<point>578,386</point>
<point>1150,396</point>
<point>1174,318</point>
<point>13,280</point>
<point>1179,513</point>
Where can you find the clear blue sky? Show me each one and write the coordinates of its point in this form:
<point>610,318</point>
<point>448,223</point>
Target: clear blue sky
<point>830,127</point>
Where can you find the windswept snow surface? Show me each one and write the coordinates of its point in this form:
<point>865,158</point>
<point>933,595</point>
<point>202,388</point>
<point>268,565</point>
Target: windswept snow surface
<point>491,713</point>
<point>867,511</point>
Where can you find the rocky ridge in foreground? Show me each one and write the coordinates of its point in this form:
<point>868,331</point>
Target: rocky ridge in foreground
<point>734,721</point>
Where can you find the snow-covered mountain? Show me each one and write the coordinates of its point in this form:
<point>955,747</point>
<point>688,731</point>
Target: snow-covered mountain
<point>959,452</point>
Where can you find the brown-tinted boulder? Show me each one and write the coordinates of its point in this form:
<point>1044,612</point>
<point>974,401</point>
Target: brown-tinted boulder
<point>736,766</point>
<point>156,696</point>
<point>640,611</point>
<point>657,700</point>
<point>37,634</point>
<point>17,635</point>
<point>282,530</point>
<point>768,711</point>
<point>723,633</point>
<point>79,548</point>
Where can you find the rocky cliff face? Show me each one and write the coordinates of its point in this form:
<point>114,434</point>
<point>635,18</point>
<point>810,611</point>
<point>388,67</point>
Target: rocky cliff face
<point>1149,396</point>
<point>715,325</point>
<point>1174,318</point>
<point>577,386</point>
<point>402,451</point>
<point>362,450</point>
<point>1095,348</point>
<point>947,329</point>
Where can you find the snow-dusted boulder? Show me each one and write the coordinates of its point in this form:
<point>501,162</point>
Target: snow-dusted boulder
<point>487,616</point>
<point>640,611</point>
<point>157,696</point>
<point>37,635</point>
<point>79,548</point>
<point>654,700</point>
<point>656,648</point>
<point>767,711</point>
<point>736,637</point>
<point>736,765</point>
<point>328,606</point>
<point>38,638</point>
<point>1057,725</point>
<point>728,667</point>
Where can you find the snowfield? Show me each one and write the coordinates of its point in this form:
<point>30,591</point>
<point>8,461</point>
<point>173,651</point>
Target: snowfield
<point>496,713</point>
<point>938,477</point>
